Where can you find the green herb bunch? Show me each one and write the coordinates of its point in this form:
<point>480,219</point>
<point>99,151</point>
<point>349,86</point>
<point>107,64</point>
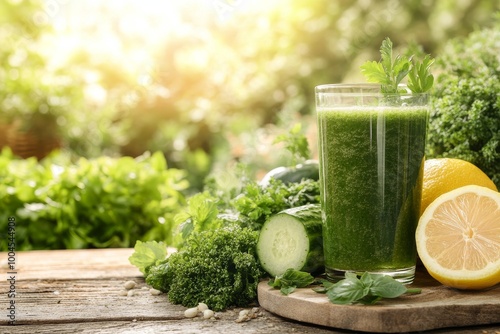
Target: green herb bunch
<point>367,289</point>
<point>218,267</point>
<point>216,262</point>
<point>390,71</point>
<point>465,110</point>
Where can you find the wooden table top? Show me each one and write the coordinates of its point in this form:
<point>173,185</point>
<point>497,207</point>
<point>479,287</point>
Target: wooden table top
<point>79,291</point>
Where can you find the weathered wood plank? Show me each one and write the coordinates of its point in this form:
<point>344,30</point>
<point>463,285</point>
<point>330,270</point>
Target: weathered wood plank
<point>78,291</point>
<point>78,264</point>
<point>263,325</point>
<point>96,306</point>
<point>71,301</point>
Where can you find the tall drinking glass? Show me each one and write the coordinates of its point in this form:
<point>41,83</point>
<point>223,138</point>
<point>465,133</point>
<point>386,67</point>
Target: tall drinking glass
<point>371,166</point>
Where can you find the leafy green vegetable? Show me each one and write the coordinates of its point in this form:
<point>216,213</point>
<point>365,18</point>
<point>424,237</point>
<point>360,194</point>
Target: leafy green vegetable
<point>88,203</point>
<point>420,78</point>
<point>368,289</point>
<point>199,216</point>
<point>391,71</point>
<point>217,262</point>
<point>217,267</point>
<point>258,202</point>
<point>290,280</point>
<point>159,276</point>
<point>147,254</point>
<point>464,121</point>
<point>296,143</point>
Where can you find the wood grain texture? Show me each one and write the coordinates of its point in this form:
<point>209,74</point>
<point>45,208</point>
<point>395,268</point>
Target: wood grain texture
<point>436,307</point>
<point>78,291</point>
<point>74,264</point>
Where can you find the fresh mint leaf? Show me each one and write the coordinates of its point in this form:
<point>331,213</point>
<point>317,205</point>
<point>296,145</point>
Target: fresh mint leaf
<point>390,71</point>
<point>147,254</point>
<point>290,280</point>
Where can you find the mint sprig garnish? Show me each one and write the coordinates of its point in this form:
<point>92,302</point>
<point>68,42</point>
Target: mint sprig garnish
<point>390,71</point>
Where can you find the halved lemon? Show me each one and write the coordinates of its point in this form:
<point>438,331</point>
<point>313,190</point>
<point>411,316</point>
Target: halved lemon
<point>458,238</point>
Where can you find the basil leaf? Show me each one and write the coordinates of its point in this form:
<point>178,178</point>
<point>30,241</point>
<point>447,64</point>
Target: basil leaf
<point>387,287</point>
<point>286,290</point>
<point>347,291</point>
<point>298,278</point>
<point>290,280</point>
<point>368,289</point>
<point>370,299</point>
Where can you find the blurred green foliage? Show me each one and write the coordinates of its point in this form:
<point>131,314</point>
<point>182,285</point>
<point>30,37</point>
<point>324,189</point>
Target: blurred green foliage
<point>101,202</point>
<point>214,90</point>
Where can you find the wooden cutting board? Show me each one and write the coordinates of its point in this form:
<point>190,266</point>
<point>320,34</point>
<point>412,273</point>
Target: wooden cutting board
<point>436,307</point>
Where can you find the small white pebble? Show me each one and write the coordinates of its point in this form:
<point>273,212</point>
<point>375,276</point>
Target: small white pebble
<point>207,314</point>
<point>129,285</point>
<point>154,292</point>
<point>202,307</point>
<point>123,292</point>
<point>243,313</point>
<point>130,293</point>
<point>144,288</point>
<point>191,312</point>
<point>56,292</point>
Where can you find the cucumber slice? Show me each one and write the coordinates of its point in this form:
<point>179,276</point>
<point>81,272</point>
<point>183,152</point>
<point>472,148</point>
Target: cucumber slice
<point>292,239</point>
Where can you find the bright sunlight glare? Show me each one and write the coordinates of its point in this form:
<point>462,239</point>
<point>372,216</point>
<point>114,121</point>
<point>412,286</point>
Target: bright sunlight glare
<point>130,33</point>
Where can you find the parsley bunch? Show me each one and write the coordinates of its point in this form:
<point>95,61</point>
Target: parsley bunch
<point>218,267</point>
<point>464,121</point>
<point>390,71</point>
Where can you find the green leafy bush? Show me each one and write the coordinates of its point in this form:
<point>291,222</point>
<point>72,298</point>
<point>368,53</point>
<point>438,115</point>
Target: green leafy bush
<point>103,202</point>
<point>465,114</point>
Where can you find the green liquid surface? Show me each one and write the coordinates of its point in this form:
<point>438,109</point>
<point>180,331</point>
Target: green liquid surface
<point>371,164</point>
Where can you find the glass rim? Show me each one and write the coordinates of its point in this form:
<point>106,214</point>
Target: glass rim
<point>349,84</point>
<point>365,88</point>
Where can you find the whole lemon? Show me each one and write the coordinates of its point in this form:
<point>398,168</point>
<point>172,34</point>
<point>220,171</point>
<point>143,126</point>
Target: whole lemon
<point>442,175</point>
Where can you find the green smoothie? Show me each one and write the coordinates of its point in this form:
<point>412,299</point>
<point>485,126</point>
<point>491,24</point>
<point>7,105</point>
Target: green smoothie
<point>371,165</point>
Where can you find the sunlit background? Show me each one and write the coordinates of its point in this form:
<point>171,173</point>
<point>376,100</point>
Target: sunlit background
<point>113,112</point>
<point>203,81</point>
